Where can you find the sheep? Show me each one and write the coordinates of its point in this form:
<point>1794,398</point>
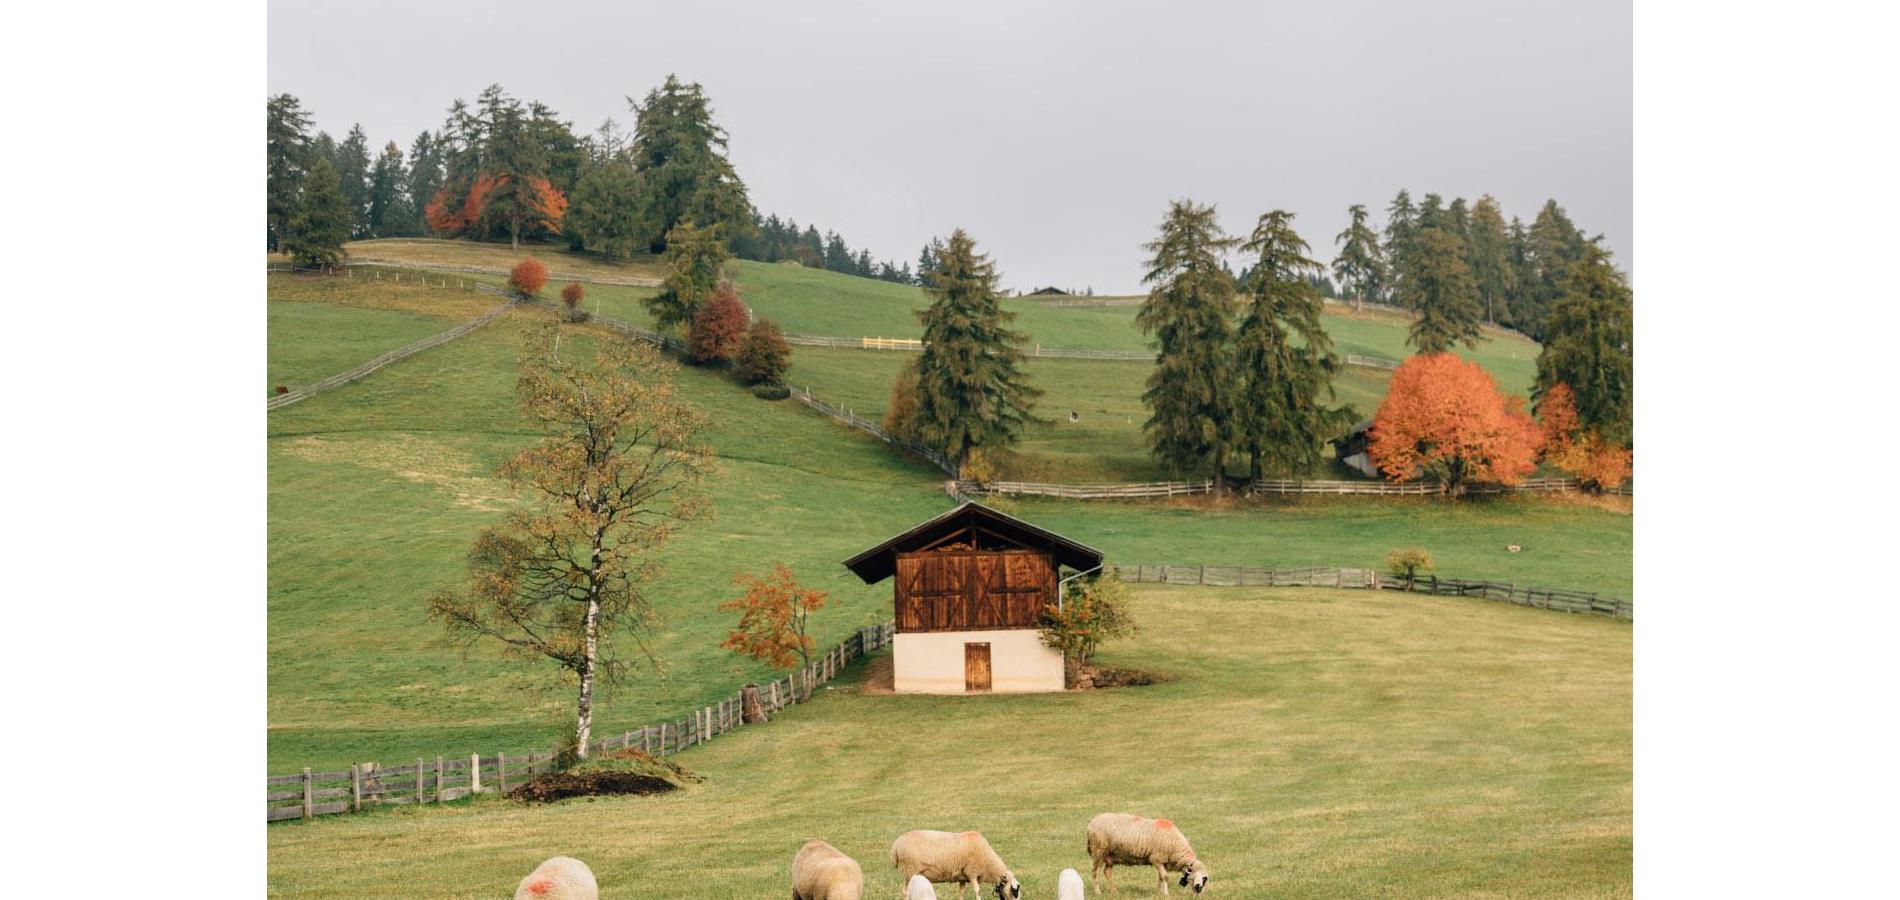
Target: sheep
<point>962,857</point>
<point>919,889</point>
<point>1119,839</point>
<point>1069,886</point>
<point>821,872</point>
<point>560,878</point>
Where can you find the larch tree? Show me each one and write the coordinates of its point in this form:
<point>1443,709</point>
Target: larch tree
<point>774,624</point>
<point>1587,345</point>
<point>614,477</point>
<point>1189,313</point>
<point>1445,418</point>
<point>695,262</point>
<point>321,224</point>
<point>1489,255</point>
<point>1282,354</point>
<point>1439,288</point>
<point>971,389</point>
<point>1358,266</point>
<point>287,159</point>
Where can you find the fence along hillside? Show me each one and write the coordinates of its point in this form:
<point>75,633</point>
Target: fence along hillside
<point>366,785</point>
<point>1560,599</point>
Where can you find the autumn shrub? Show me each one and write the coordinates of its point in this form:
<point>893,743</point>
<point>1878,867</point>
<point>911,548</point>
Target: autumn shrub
<point>900,414</point>
<point>771,390</point>
<point>774,617</point>
<point>1444,417</point>
<point>528,276</point>
<point>1093,610</point>
<point>718,327</point>
<point>1409,561</point>
<point>765,355</point>
<point>1597,463</point>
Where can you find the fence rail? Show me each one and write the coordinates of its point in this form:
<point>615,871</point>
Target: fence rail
<point>1561,599</point>
<point>849,418</point>
<point>1276,486</point>
<point>495,270</point>
<point>278,401</point>
<point>307,794</point>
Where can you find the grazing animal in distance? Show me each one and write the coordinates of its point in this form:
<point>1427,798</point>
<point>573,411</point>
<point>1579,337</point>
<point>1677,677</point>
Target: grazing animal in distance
<point>964,857</point>
<point>559,878</point>
<point>821,872</point>
<point>1120,839</point>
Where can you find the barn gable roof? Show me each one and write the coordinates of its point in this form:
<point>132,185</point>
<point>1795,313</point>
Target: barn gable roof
<point>880,562</point>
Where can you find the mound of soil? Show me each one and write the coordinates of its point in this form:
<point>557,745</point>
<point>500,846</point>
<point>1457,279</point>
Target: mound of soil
<point>1096,678</point>
<point>562,785</point>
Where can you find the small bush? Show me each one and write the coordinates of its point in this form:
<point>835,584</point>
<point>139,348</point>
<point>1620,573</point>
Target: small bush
<point>771,391</point>
<point>718,328</point>
<point>529,276</point>
<point>571,298</point>
<point>765,355</point>
<point>1409,561</point>
<point>282,390</point>
<point>1092,611</point>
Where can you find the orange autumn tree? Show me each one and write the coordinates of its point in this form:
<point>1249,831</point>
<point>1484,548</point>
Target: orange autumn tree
<point>718,326</point>
<point>1597,463</point>
<point>1444,417</point>
<point>773,616</point>
<point>528,276</point>
<point>493,202</point>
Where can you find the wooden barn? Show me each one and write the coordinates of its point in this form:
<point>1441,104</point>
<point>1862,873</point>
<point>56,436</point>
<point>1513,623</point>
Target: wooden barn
<point>970,586</point>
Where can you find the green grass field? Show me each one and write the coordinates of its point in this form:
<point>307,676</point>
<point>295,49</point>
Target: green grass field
<point>1312,743</point>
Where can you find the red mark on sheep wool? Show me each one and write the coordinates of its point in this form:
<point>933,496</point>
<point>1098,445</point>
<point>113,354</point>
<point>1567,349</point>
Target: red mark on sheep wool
<point>541,886</point>
<point>969,834</point>
<point>1164,823</point>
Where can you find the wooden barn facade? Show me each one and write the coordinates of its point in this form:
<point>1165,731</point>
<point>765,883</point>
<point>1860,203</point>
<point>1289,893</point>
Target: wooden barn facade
<point>970,586</point>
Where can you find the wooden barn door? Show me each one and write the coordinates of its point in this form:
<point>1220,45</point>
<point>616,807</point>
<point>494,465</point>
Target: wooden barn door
<point>976,667</point>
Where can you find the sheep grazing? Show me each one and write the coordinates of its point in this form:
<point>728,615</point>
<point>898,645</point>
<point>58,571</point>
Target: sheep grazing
<point>821,872</point>
<point>919,889</point>
<point>1119,839</point>
<point>963,857</point>
<point>1069,886</point>
<point>560,878</point>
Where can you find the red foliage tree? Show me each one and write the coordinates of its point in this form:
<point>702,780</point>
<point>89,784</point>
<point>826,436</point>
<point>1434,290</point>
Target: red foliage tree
<point>571,294</point>
<point>772,617</point>
<point>542,206</point>
<point>1445,417</point>
<point>719,326</point>
<point>1597,463</point>
<point>528,276</point>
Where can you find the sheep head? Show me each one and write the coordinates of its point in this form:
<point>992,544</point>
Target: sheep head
<point>1196,875</point>
<point>1009,888</point>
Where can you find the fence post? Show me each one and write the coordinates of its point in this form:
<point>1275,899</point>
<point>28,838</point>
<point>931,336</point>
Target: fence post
<point>307,813</point>
<point>418,781</point>
<point>438,779</point>
<point>356,788</point>
<point>501,773</point>
<point>474,773</point>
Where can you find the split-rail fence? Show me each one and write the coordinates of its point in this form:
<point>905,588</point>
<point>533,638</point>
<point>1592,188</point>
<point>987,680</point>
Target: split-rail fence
<point>1560,599</point>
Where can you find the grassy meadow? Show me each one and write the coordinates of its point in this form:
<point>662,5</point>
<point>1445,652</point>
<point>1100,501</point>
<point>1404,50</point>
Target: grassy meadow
<point>1311,743</point>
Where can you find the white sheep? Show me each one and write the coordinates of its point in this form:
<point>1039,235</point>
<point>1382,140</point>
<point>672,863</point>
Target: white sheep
<point>945,856</point>
<point>1119,839</point>
<point>1069,886</point>
<point>919,889</point>
<point>560,878</point>
<point>821,872</point>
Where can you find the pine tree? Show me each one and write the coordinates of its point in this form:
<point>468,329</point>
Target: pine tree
<point>680,153</point>
<point>322,222</point>
<point>927,261</point>
<point>1401,221</point>
<point>386,211</point>
<point>287,158</point>
<point>837,255</point>
<point>352,174</point>
<point>1438,286</point>
<point>1522,273</point>
<point>1189,310</point>
<point>425,178</point>
<point>1282,423</point>
<point>1587,345</point>
<point>1489,255</point>
<point>514,158</point>
<point>1357,265</point>
<point>1552,245</point>
<point>971,389</point>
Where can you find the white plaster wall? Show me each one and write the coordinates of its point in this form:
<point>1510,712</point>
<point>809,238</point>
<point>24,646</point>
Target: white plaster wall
<point>932,662</point>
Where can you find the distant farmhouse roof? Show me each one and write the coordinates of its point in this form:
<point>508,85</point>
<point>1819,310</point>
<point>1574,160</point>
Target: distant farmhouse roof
<point>980,525</point>
<point>1049,291</point>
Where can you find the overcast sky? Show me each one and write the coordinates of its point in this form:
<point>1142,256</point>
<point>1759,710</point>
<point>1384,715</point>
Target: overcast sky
<point>1055,133</point>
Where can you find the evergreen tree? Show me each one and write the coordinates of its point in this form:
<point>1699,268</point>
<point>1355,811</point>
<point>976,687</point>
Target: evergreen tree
<point>680,154</point>
<point>1283,424</point>
<point>1438,286</point>
<point>322,222</point>
<point>352,174</point>
<point>695,260</point>
<point>386,210</point>
<point>837,255</point>
<point>1489,255</point>
<point>1551,246</point>
<point>927,260</point>
<point>1522,274</point>
<point>424,178</point>
<point>1401,221</point>
<point>1189,309</point>
<point>1588,345</point>
<point>605,210</point>
<point>287,158</point>
<point>514,157</point>
<point>971,389</point>
<point>1357,265</point>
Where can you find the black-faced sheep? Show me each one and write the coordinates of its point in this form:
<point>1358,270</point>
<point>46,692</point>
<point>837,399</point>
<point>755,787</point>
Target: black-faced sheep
<point>1119,839</point>
<point>821,872</point>
<point>963,857</point>
<point>560,878</point>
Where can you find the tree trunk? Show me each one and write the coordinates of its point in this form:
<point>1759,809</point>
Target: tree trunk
<point>584,717</point>
<point>751,705</point>
<point>1220,468</point>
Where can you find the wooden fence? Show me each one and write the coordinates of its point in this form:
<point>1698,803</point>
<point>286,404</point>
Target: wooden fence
<point>847,417</point>
<point>366,785</point>
<point>492,270</point>
<point>913,345</point>
<point>1284,487</point>
<point>1372,579</point>
<point>278,401</point>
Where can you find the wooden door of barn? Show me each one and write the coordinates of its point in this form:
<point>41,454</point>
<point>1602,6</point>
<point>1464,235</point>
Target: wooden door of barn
<point>976,667</point>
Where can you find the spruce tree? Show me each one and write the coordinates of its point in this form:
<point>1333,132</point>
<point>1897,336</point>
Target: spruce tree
<point>1283,425</point>
<point>695,260</point>
<point>1552,245</point>
<point>1358,265</point>
<point>386,208</point>
<point>680,153</point>
<point>971,389</point>
<point>287,158</point>
<point>352,174</point>
<point>425,178</point>
<point>1438,286</point>
<point>604,213</point>
<point>1189,311</point>
<point>1587,345</point>
<point>1401,221</point>
<point>322,221</point>
<point>1489,255</point>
